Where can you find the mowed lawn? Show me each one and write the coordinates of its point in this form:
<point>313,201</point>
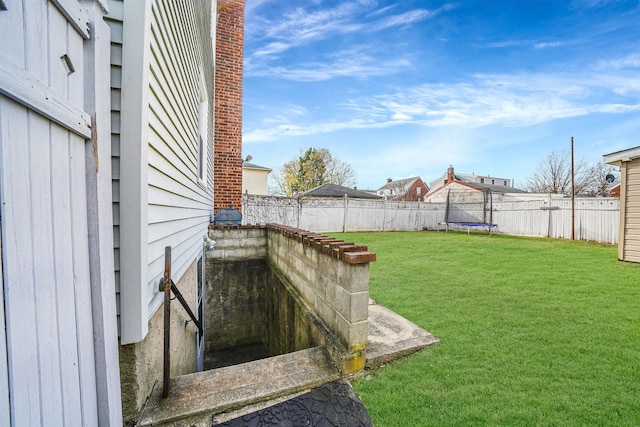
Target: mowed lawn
<point>533,332</point>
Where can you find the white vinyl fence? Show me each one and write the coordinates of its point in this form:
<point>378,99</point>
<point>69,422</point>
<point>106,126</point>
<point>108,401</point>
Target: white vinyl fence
<point>596,219</point>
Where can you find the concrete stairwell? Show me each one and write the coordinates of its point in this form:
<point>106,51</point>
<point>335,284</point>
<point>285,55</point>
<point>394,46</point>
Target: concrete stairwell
<point>195,399</point>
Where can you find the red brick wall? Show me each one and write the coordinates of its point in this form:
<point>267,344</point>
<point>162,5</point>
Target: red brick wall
<point>227,163</point>
<point>412,194</point>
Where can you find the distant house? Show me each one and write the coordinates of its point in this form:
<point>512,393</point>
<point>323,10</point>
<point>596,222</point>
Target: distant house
<point>501,188</point>
<point>333,190</point>
<point>255,179</point>
<point>629,189</point>
<point>410,189</point>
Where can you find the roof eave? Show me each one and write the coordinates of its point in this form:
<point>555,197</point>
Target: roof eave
<point>619,157</point>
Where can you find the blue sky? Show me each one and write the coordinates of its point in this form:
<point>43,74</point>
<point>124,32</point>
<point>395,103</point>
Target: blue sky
<point>406,88</point>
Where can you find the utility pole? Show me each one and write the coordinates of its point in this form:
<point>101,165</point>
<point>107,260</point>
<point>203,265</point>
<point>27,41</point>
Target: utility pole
<point>573,197</point>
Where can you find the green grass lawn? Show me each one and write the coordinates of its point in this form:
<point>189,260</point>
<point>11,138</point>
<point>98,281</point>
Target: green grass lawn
<point>532,331</point>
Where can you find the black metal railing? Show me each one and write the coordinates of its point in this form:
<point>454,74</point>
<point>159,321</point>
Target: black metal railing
<point>167,286</point>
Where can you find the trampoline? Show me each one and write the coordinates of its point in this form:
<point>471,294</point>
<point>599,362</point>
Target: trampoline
<point>468,210</point>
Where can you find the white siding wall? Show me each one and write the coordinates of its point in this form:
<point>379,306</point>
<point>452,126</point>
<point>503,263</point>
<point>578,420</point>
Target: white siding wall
<point>114,20</point>
<point>178,205</point>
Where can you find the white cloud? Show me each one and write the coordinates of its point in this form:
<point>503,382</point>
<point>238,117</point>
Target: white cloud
<point>406,18</point>
<point>300,27</point>
<point>401,116</point>
<point>347,63</point>
<point>546,45</point>
<point>631,61</point>
<point>526,43</point>
<point>482,100</point>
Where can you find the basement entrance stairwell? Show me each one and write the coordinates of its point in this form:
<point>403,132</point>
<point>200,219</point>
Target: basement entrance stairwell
<point>273,290</point>
<point>290,306</point>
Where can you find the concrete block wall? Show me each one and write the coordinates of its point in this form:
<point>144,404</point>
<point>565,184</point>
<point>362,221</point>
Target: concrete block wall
<point>235,297</point>
<point>235,293</point>
<point>332,276</point>
<point>235,244</point>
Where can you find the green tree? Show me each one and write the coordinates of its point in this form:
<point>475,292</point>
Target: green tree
<point>314,167</point>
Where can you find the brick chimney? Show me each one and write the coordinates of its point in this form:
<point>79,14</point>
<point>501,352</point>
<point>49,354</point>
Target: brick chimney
<point>227,145</point>
<point>450,175</point>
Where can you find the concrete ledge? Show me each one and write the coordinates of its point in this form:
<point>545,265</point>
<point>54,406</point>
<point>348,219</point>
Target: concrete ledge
<point>195,398</point>
<point>391,336</point>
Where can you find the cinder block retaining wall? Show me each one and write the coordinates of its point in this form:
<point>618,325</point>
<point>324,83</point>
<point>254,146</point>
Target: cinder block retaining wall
<point>331,277</point>
<point>235,303</point>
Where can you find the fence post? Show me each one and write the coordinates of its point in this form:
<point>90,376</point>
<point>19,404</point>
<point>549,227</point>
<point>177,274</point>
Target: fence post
<point>384,213</point>
<point>345,212</point>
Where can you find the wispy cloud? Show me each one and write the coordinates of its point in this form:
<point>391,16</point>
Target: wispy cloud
<point>482,100</point>
<point>301,27</point>
<point>407,18</point>
<point>535,44</point>
<point>631,61</point>
<point>545,45</point>
<point>251,5</point>
<point>346,63</point>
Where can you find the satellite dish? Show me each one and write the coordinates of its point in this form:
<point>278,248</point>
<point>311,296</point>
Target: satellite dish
<point>610,178</point>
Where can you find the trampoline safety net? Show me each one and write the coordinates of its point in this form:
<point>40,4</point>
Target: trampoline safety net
<point>469,207</point>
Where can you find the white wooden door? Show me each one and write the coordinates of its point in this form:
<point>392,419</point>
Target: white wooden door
<point>45,250</point>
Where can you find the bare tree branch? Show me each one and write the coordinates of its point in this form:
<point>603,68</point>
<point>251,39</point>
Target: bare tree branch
<point>554,176</point>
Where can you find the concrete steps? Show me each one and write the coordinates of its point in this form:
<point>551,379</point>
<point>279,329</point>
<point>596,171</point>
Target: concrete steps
<point>196,398</point>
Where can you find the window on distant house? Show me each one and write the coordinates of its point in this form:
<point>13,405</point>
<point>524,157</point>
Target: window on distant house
<point>481,180</point>
<point>203,131</point>
<point>418,191</point>
<point>493,181</point>
<point>506,183</point>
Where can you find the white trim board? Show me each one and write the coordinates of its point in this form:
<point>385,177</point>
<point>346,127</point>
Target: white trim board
<point>74,13</point>
<point>20,86</point>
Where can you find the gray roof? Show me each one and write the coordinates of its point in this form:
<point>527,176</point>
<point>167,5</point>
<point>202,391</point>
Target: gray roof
<point>468,179</point>
<point>495,188</point>
<point>247,165</point>
<point>401,185</point>
<point>333,190</point>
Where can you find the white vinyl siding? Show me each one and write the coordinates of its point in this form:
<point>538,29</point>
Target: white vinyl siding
<point>114,20</point>
<point>177,203</point>
<point>180,204</point>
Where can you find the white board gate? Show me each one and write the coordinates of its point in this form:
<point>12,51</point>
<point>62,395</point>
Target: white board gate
<point>47,355</point>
